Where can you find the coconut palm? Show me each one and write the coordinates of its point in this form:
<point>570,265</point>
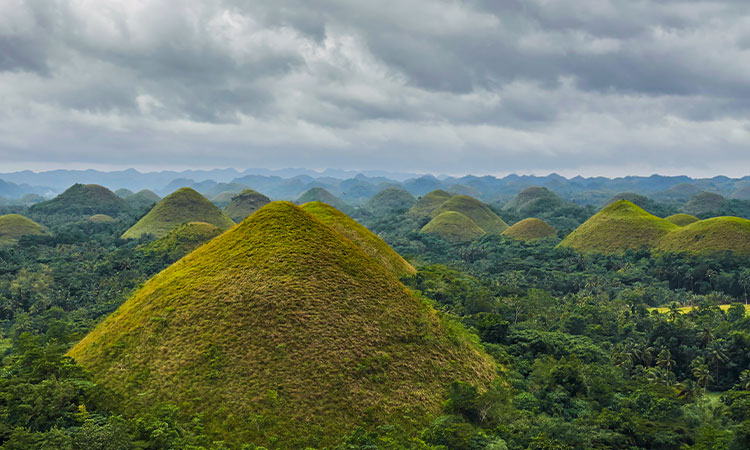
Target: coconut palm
<point>717,356</point>
<point>690,390</point>
<point>664,360</point>
<point>745,380</point>
<point>700,372</point>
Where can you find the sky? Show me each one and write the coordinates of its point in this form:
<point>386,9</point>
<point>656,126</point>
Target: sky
<point>591,87</point>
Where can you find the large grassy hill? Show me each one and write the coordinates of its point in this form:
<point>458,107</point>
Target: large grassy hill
<point>284,333</point>
<point>453,227</point>
<point>182,206</point>
<point>182,240</point>
<point>530,229</point>
<point>245,203</point>
<point>371,244</point>
<point>682,219</point>
<point>82,200</point>
<point>429,203</point>
<point>390,199</point>
<point>475,210</point>
<point>13,226</point>
<point>534,200</point>
<point>715,235</point>
<point>620,226</point>
<point>703,203</point>
<point>319,194</point>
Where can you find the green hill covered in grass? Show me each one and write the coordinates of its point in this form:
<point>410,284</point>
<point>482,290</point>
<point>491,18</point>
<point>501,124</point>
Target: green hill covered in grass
<point>710,236</point>
<point>703,203</point>
<point>182,240</point>
<point>82,200</point>
<point>390,199</point>
<point>371,244</point>
<point>530,229</point>
<point>142,199</point>
<point>101,218</point>
<point>681,219</point>
<point>182,206</point>
<point>14,226</point>
<point>245,203</point>
<point>475,210</point>
<point>620,226</point>
<point>429,203</point>
<point>453,227</point>
<point>318,194</point>
<point>282,332</point>
<point>222,200</point>
<point>534,200</point>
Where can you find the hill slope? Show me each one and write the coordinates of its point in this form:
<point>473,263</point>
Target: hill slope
<point>475,210</point>
<point>703,203</point>
<point>182,206</point>
<point>318,194</point>
<point>245,203</point>
<point>681,219</point>
<point>390,199</point>
<point>371,244</point>
<point>429,203</point>
<point>616,228</point>
<point>182,240</point>
<point>13,226</point>
<point>534,200</point>
<point>530,229</point>
<point>82,200</point>
<point>284,333</point>
<point>715,235</point>
<point>453,227</point>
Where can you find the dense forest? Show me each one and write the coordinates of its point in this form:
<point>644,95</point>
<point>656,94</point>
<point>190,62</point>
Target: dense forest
<point>639,349</point>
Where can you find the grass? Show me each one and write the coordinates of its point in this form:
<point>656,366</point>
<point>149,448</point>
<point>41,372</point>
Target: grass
<point>390,199</point>
<point>182,240</point>
<point>101,218</point>
<point>475,210</point>
<point>703,202</point>
<point>371,244</point>
<point>682,219</point>
<point>182,206</point>
<point>687,309</point>
<point>318,194</point>
<point>284,333</point>
<point>245,203</point>
<point>530,229</point>
<point>13,226</point>
<point>620,226</point>
<point>453,227</point>
<point>82,200</point>
<point>429,203</point>
<point>710,236</point>
<point>526,199</point>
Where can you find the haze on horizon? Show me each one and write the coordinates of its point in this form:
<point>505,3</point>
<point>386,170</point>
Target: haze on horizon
<point>609,88</point>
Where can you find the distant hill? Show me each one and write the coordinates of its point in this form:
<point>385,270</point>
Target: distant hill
<point>715,235</point>
<point>453,227</point>
<point>182,240</point>
<point>371,244</point>
<point>283,333</point>
<point>123,193</point>
<point>101,218</point>
<point>429,203</point>
<point>703,203</point>
<point>390,199</point>
<point>534,200</point>
<point>530,229</point>
<point>183,206</point>
<point>245,203</point>
<point>679,193</point>
<point>82,200</point>
<point>222,200</point>
<point>318,194</point>
<point>682,219</point>
<point>475,210</point>
<point>142,200</point>
<point>618,227</point>
<point>14,226</point>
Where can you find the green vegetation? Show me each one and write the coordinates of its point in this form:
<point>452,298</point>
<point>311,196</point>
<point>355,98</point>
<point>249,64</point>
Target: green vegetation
<point>222,199</point>
<point>142,200</point>
<point>14,226</point>
<point>453,227</point>
<point>534,200</point>
<point>281,332</point>
<point>428,203</point>
<point>681,219</point>
<point>530,230</point>
<point>318,194</point>
<point>618,227</point>
<point>101,218</point>
<point>389,200</point>
<point>716,235</point>
<point>182,240</point>
<point>475,210</point>
<point>182,206</point>
<point>81,200</point>
<point>245,203</point>
<point>703,203</point>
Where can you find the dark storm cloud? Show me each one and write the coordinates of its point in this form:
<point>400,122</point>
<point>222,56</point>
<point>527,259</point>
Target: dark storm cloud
<point>479,86</point>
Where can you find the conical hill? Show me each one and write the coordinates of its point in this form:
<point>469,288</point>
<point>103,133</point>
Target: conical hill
<point>530,229</point>
<point>14,226</point>
<point>371,244</point>
<point>82,200</point>
<point>620,226</point>
<point>682,219</point>
<point>429,203</point>
<point>281,332</point>
<point>390,199</point>
<point>710,236</point>
<point>453,227</point>
<point>475,210</point>
<point>182,240</point>
<point>319,194</point>
<point>182,206</point>
<point>245,203</point>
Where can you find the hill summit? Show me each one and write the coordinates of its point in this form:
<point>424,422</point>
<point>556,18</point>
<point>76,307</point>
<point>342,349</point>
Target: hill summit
<point>182,206</point>
<point>475,210</point>
<point>682,219</point>
<point>620,226</point>
<point>14,226</point>
<point>281,332</point>
<point>319,194</point>
<point>453,227</point>
<point>710,236</point>
<point>245,203</point>
<point>390,199</point>
<point>534,200</point>
<point>428,203</point>
<point>82,200</point>
<point>530,229</point>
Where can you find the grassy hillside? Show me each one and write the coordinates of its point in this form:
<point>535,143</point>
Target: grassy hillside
<point>429,203</point>
<point>454,227</point>
<point>618,227</point>
<point>101,218</point>
<point>703,203</point>
<point>318,194</point>
<point>390,199</point>
<point>245,203</point>
<point>475,210</point>
<point>222,200</point>
<point>182,206</point>
<point>681,219</point>
<point>13,226</point>
<point>82,200</point>
<point>709,236</point>
<point>534,200</point>
<point>284,333</point>
<point>371,244</point>
<point>182,240</point>
<point>530,229</point>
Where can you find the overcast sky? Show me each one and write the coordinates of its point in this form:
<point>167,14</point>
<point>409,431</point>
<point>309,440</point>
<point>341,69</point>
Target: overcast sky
<point>606,87</point>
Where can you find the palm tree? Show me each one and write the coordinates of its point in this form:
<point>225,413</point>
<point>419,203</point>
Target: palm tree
<point>706,335</point>
<point>674,311</point>
<point>664,360</point>
<point>700,372</point>
<point>745,380</point>
<point>717,356</point>
<point>690,390</point>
